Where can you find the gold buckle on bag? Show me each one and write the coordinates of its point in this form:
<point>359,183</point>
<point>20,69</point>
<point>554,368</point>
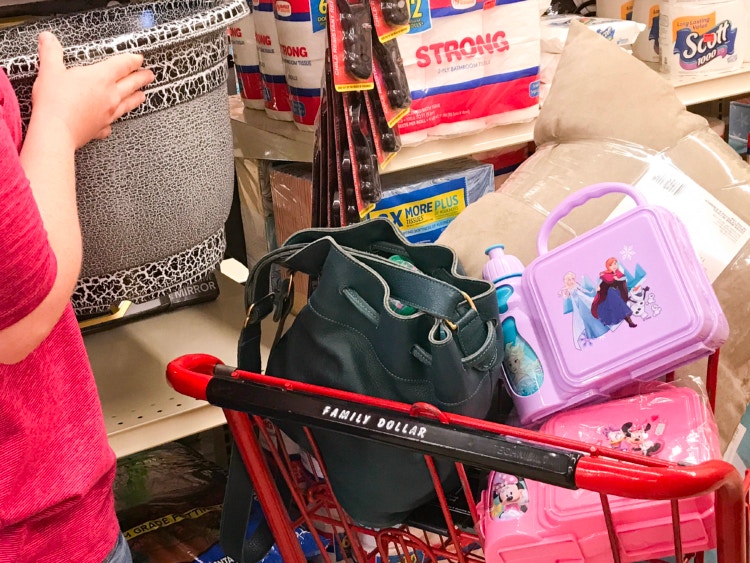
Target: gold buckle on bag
<point>285,298</point>
<point>453,326</point>
<point>279,303</point>
<point>284,306</point>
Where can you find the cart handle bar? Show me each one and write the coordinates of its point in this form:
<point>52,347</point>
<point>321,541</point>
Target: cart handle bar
<point>205,377</point>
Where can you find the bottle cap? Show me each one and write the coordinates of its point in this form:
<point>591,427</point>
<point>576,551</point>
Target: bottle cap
<point>500,265</point>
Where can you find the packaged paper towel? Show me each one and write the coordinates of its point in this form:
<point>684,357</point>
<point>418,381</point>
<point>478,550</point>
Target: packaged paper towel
<point>646,46</point>
<point>555,30</point>
<point>275,90</point>
<point>697,38</point>
<point>548,67</point>
<point>614,9</point>
<point>470,65</point>
<point>301,29</point>
<point>423,201</point>
<point>245,54</point>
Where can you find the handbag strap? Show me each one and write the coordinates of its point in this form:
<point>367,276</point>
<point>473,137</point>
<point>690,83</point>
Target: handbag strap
<point>437,290</point>
<point>470,317</point>
<point>440,298</point>
<point>236,513</point>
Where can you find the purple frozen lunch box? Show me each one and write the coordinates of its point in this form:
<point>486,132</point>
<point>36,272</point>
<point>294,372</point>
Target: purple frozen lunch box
<point>628,300</point>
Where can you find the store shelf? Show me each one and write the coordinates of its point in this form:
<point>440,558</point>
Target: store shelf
<point>454,147</point>
<point>140,409</point>
<point>257,136</point>
<point>695,90</point>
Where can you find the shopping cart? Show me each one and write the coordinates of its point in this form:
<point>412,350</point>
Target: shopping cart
<point>449,528</point>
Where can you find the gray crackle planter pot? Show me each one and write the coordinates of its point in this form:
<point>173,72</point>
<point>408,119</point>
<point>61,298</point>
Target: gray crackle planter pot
<point>154,196</point>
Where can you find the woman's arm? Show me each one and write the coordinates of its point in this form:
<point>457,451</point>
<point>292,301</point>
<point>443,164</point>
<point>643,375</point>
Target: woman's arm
<point>70,108</point>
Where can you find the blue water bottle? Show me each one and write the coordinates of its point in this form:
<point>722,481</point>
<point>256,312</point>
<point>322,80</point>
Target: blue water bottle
<point>523,369</point>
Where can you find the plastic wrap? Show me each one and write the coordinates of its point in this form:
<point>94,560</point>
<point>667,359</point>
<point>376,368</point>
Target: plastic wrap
<point>618,9</point>
<point>700,38</point>
<point>646,47</point>
<point>505,160</point>
<point>555,32</point>
<point>245,54</point>
<point>523,517</point>
<point>272,69</point>
<point>302,38</point>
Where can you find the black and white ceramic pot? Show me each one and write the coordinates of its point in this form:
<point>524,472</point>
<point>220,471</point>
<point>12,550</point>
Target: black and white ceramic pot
<point>154,196</point>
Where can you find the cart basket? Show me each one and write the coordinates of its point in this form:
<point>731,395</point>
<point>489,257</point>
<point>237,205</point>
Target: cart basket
<point>252,401</point>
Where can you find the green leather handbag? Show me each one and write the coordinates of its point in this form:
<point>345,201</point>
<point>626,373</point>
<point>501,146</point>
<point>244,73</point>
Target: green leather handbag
<point>375,325</point>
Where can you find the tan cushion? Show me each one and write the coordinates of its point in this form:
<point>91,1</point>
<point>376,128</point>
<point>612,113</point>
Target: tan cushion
<point>600,91</point>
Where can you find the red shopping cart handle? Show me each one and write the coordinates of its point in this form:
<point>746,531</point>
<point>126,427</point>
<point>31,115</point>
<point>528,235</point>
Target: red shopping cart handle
<point>664,483</point>
<point>420,429</point>
<point>548,459</point>
<point>191,374</point>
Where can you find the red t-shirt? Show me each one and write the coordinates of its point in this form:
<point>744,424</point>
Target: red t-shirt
<point>56,466</point>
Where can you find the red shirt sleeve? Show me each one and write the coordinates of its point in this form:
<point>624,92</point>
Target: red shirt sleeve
<point>27,264</point>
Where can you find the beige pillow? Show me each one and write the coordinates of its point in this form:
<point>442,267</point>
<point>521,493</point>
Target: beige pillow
<point>600,91</point>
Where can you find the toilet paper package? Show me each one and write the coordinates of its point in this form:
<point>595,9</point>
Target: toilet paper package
<point>245,54</point>
<point>548,67</point>
<point>543,93</point>
<point>555,30</point>
<point>470,66</point>
<point>275,90</point>
<point>301,31</point>
<point>615,9</point>
<point>646,46</point>
<point>699,38</point>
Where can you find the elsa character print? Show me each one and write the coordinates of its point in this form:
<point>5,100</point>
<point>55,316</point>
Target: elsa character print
<point>610,304</point>
<point>578,301</point>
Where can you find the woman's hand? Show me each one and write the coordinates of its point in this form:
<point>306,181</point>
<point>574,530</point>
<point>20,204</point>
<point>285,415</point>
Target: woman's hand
<point>86,99</point>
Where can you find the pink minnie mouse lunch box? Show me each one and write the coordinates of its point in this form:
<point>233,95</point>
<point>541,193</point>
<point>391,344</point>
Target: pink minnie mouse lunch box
<point>628,300</point>
<point>524,520</point>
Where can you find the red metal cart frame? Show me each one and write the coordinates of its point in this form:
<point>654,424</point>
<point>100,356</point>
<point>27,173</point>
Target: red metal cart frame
<point>249,398</point>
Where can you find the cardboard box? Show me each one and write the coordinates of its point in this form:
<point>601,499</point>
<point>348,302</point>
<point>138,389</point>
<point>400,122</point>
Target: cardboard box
<point>291,193</point>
